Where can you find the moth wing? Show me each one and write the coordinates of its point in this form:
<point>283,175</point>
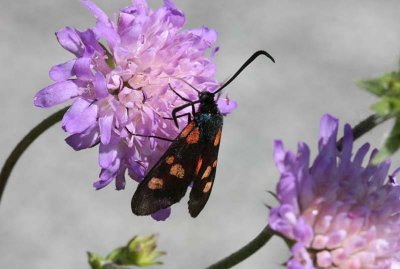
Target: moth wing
<point>204,175</point>
<point>168,180</point>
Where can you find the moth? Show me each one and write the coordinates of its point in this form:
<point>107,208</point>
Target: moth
<point>190,159</point>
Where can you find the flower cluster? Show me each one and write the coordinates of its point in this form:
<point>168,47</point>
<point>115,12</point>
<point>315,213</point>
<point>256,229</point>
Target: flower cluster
<point>337,213</point>
<point>119,82</point>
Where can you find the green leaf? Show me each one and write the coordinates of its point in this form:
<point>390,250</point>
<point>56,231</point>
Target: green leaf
<point>387,106</point>
<point>391,145</point>
<point>386,85</point>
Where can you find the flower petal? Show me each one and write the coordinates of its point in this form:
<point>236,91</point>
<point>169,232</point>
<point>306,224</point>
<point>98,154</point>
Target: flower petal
<point>62,71</point>
<point>84,140</point>
<point>100,85</point>
<point>80,116</point>
<point>107,175</point>
<point>82,68</point>
<point>97,12</point>
<point>301,259</point>
<point>175,16</point>
<point>103,30</point>
<point>108,154</point>
<point>207,35</point>
<point>162,214</point>
<point>120,180</point>
<point>56,93</point>
<point>105,124</point>
<point>328,128</point>
<point>70,40</point>
<point>226,105</point>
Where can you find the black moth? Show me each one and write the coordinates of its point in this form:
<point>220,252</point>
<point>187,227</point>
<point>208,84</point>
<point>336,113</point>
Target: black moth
<point>191,157</point>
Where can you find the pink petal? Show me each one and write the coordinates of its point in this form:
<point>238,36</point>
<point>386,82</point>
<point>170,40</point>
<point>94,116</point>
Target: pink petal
<point>82,68</point>
<point>108,154</point>
<point>279,155</point>
<point>328,128</point>
<point>103,30</point>
<point>84,140</point>
<point>206,34</point>
<point>226,105</point>
<point>56,93</point>
<point>105,124</point>
<point>80,116</point>
<point>100,86</point>
<point>120,180</point>
<point>62,71</point>
<point>70,40</point>
<point>96,11</point>
<point>162,214</point>
<point>107,175</point>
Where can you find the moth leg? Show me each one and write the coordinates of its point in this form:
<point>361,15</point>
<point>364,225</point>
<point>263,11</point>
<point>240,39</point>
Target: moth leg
<point>177,109</point>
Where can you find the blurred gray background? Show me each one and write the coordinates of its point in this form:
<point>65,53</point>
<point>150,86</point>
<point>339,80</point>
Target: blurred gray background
<point>50,214</point>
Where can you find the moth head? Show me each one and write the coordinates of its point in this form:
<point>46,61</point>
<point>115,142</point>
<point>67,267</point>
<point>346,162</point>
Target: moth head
<point>206,96</point>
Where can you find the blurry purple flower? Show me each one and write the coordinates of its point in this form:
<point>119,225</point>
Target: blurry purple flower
<point>121,87</point>
<point>338,213</point>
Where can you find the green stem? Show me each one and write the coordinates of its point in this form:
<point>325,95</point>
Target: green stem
<point>24,144</point>
<point>246,251</point>
<point>364,127</point>
<point>252,247</point>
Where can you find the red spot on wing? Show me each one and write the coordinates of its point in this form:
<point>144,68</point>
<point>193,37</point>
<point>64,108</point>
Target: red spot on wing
<point>187,129</point>
<point>193,137</point>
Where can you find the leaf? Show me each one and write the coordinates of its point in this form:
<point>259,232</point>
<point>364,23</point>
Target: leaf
<point>387,106</point>
<point>391,145</point>
<point>386,85</point>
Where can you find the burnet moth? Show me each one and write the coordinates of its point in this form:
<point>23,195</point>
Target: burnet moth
<point>191,157</point>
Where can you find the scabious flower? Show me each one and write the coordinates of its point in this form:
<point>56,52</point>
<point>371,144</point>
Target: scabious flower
<point>338,213</point>
<point>119,80</point>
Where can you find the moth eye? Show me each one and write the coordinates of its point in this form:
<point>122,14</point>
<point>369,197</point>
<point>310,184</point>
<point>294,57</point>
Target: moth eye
<point>193,137</point>
<point>218,138</point>
<point>206,173</point>
<point>207,187</point>
<point>177,170</point>
<point>155,183</point>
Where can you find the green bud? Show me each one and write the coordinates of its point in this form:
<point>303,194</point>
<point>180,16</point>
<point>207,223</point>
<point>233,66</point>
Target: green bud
<point>96,261</point>
<point>140,251</point>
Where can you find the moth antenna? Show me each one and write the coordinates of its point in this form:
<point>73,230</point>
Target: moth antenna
<point>249,61</point>
<point>187,83</point>
<point>219,95</point>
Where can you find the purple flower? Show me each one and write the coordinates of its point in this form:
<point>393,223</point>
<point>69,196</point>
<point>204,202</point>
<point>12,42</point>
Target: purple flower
<point>119,80</point>
<point>338,212</point>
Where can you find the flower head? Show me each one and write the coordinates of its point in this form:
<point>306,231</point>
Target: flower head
<point>119,82</point>
<point>339,213</point>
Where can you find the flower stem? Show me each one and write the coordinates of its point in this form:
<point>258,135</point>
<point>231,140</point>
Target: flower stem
<point>365,126</point>
<point>246,251</point>
<point>253,246</point>
<point>24,144</point>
